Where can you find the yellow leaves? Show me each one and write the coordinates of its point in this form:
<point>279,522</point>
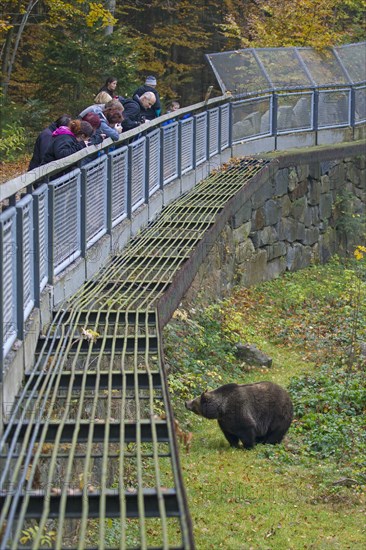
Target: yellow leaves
<point>360,252</point>
<point>180,314</point>
<point>98,13</point>
<point>89,334</point>
<point>47,538</point>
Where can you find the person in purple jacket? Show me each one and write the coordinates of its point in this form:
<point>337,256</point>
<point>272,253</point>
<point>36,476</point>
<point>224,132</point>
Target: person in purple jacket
<point>44,140</point>
<point>67,140</point>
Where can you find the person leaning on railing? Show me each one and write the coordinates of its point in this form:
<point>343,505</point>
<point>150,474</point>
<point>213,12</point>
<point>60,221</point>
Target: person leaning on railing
<point>44,140</point>
<point>103,111</point>
<point>67,140</point>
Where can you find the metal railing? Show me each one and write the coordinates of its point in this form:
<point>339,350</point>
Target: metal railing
<point>43,231</point>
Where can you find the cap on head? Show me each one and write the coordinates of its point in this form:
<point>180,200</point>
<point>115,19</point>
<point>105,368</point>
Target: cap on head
<point>150,81</point>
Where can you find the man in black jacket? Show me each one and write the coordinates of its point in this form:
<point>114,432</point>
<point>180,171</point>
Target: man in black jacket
<point>135,110</point>
<point>149,86</point>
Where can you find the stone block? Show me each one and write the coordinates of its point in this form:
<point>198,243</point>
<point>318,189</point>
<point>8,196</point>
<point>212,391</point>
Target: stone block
<point>275,250</point>
<point>267,235</point>
<point>258,219</point>
<point>311,236</point>
<point>324,184</point>
<point>293,179</point>
<point>244,251</point>
<point>275,268</point>
<point>300,190</point>
<point>298,208</point>
<point>285,204</point>
<point>264,193</point>
<point>253,271</point>
<point>314,190</point>
<point>272,211</point>
<point>288,230</point>
<point>298,257</point>
<point>242,233</point>
<point>243,215</point>
<point>281,182</point>
<point>325,206</point>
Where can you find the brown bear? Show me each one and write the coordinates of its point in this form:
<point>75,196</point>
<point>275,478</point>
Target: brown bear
<point>252,413</point>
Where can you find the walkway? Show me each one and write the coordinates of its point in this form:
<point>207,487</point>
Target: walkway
<point>89,455</point>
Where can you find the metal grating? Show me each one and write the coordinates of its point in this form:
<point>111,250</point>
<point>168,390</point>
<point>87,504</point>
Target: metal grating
<point>25,251</point>
<point>295,112</point>
<point>251,118</point>
<point>94,191</point>
<point>40,214</point>
<point>170,152</point>
<point>225,126</point>
<point>137,151</point>
<point>186,144</point>
<point>334,108</point>
<point>153,148</point>
<point>201,137</point>
<point>118,167</point>
<point>65,220</point>
<point>213,131</point>
<point>8,280</point>
<point>360,104</point>
<point>89,450</point>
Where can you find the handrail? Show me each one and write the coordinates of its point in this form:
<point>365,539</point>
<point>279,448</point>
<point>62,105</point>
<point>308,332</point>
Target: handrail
<point>13,186</point>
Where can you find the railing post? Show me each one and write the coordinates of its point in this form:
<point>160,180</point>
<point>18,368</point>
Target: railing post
<point>161,158</point>
<point>51,232</point>
<point>179,137</point>
<point>316,114</point>
<point>19,274</point>
<point>230,124</point>
<point>352,107</point>
<point>129,184</point>
<point>274,117</point>
<point>83,235</point>
<point>109,194</point>
<point>194,142</point>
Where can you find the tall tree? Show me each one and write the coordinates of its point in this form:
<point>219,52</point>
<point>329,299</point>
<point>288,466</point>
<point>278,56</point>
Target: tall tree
<point>316,23</point>
<point>15,15</point>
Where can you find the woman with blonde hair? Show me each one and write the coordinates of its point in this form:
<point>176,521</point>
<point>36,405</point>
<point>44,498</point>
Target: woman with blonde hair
<point>102,97</point>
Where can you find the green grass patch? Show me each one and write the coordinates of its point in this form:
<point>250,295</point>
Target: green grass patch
<point>308,492</point>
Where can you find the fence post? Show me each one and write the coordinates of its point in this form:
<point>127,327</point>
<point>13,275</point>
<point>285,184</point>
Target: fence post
<point>316,114</point>
<point>274,116</point>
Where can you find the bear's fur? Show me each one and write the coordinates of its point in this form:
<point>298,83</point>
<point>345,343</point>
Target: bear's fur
<point>252,413</point>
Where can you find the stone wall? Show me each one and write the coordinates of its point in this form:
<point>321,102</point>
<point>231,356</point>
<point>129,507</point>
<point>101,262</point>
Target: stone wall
<point>291,221</point>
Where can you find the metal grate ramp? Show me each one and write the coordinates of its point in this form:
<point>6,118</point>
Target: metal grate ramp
<point>88,457</point>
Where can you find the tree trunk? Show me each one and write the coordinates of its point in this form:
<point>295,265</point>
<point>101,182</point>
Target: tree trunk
<point>9,58</point>
<point>111,7</point>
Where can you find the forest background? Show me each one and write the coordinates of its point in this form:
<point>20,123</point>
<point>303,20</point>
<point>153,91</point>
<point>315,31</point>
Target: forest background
<point>56,54</point>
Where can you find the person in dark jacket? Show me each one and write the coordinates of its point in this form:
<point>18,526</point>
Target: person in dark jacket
<point>109,86</point>
<point>67,140</point>
<point>149,86</point>
<point>44,140</point>
<point>135,110</point>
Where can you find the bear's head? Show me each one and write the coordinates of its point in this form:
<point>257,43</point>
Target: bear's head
<point>204,405</point>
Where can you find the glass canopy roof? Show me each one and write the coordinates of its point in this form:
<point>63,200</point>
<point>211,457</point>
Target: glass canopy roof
<point>258,70</point>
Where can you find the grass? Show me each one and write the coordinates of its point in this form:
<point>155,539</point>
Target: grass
<point>308,492</point>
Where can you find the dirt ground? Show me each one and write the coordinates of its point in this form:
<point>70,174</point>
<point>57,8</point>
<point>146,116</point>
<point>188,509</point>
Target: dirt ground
<point>10,170</point>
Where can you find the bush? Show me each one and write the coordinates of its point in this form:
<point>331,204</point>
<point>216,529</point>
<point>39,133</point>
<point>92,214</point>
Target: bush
<point>12,141</point>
